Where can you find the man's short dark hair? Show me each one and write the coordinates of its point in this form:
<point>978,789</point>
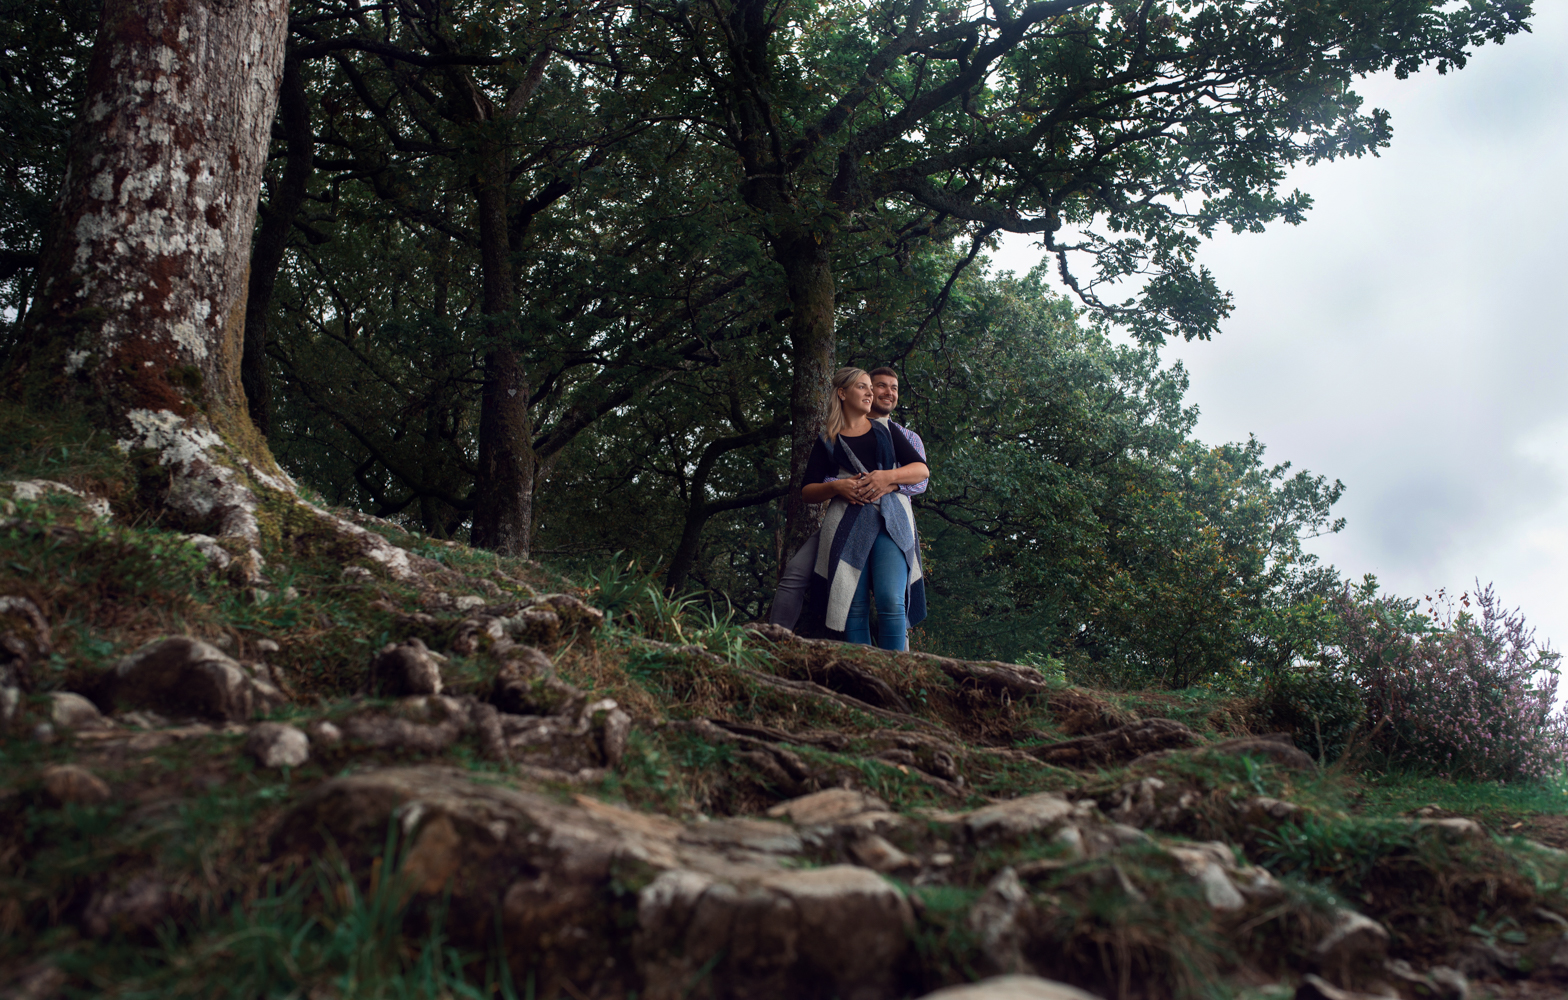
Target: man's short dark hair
<point>882,371</point>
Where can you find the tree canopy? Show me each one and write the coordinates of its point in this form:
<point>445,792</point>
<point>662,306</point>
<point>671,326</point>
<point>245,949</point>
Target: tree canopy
<point>568,278</point>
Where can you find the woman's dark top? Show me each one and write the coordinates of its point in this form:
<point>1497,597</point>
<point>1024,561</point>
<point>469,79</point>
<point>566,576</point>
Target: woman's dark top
<point>823,466</point>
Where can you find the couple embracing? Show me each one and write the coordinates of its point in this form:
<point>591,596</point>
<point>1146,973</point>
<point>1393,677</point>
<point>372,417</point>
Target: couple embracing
<point>865,468</point>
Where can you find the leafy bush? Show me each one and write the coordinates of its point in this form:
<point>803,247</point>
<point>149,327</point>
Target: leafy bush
<point>1462,694</point>
<point>1321,705</point>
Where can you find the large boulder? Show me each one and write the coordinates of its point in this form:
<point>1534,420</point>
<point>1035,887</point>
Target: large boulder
<point>614,900</point>
<point>183,677</point>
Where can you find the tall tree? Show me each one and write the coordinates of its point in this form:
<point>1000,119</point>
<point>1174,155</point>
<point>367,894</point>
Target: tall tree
<point>139,310</point>
<point>1121,132</point>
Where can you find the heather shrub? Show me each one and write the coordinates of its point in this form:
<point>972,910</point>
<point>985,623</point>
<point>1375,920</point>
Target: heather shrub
<point>1461,690</point>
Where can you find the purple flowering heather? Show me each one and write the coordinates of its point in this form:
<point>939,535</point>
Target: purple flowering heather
<point>1462,690</point>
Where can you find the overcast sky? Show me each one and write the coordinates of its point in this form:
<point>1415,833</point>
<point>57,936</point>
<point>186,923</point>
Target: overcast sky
<point>1408,339</point>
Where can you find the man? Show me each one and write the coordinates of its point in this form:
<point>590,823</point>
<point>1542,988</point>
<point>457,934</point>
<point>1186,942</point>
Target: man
<point>791,596</point>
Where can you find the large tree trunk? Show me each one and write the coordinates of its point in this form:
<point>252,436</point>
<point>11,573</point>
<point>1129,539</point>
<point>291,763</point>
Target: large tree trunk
<point>504,487</point>
<point>140,308</point>
<point>272,241</point>
<point>809,276</point>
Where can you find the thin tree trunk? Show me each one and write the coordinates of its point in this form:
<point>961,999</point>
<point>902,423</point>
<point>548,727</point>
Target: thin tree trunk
<point>139,314</point>
<point>272,241</point>
<point>504,487</point>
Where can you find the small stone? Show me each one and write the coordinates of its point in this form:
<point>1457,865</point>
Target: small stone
<point>267,645</point>
<point>1455,828</point>
<point>275,744</point>
<point>1450,984</point>
<point>142,720</point>
<point>1355,943</point>
<point>468,602</point>
<point>209,547</point>
<point>1014,987</point>
<point>1316,988</point>
<point>258,596</point>
<point>141,905</point>
<point>358,574</point>
<point>876,853</point>
<point>10,701</point>
<point>43,733</point>
<point>406,668</point>
<point>74,785</point>
<point>71,711</point>
<point>325,733</point>
<point>40,981</point>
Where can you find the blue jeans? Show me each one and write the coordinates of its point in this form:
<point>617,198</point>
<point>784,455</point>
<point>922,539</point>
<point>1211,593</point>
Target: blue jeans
<point>891,574</point>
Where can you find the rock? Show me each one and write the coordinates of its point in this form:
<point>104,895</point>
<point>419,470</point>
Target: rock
<point>575,616</point>
<point>1277,748</point>
<point>1080,714</point>
<point>10,702</point>
<point>358,574</point>
<point>741,837</point>
<point>1135,803</point>
<point>267,646</point>
<point>1448,984</point>
<point>211,550</point>
<point>1209,872</point>
<point>142,905</point>
<point>536,626</point>
<point>828,807</point>
<point>39,981</point>
<point>1354,949</point>
<point>468,602</point>
<point>405,668</point>
<point>876,853</point>
<point>834,931</point>
<point>1000,921</point>
<point>183,677</point>
<point>1265,812</point>
<point>43,733</point>
<point>1485,960</point>
<point>1042,813</point>
<point>34,489</point>
<point>1454,829</point>
<point>1440,982</point>
<point>376,729</point>
<point>72,711</point>
<point>526,685</point>
<point>72,784</point>
<point>1316,988</point>
<point>274,744</point>
<point>1119,745</point>
<point>1012,988</point>
<point>325,733</point>
<point>614,728</point>
<point>557,872</point>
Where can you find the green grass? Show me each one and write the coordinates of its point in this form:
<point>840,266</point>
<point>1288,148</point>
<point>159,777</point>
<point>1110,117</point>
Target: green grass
<point>1492,803</point>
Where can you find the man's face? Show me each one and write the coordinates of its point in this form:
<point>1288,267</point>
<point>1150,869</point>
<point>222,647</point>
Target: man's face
<point>885,390</point>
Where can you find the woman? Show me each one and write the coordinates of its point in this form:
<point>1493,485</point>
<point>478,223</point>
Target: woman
<point>868,534</point>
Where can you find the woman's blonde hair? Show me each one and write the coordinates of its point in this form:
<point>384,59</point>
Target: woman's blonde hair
<point>842,379</point>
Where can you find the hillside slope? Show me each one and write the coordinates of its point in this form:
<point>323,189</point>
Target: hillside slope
<point>472,781</point>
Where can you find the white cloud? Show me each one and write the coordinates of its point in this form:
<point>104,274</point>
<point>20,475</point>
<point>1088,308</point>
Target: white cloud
<point>1409,337</point>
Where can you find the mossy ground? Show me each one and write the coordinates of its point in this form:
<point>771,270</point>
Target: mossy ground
<point>196,810</point>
